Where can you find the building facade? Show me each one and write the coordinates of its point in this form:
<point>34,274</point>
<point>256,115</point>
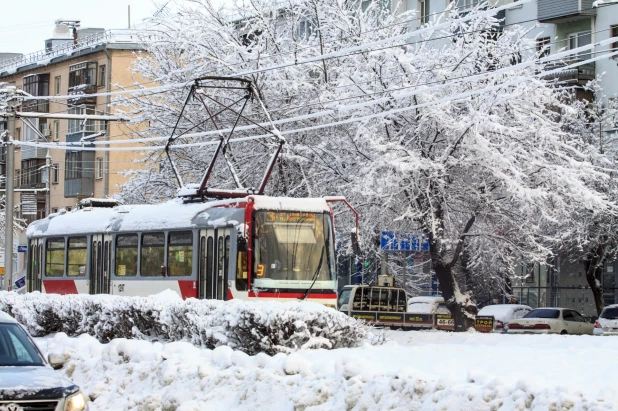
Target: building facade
<point>95,61</point>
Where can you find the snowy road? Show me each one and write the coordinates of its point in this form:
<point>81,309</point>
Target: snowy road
<point>413,370</point>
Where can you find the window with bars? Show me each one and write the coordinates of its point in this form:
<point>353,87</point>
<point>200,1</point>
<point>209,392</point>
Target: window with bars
<point>99,167</point>
<point>55,169</point>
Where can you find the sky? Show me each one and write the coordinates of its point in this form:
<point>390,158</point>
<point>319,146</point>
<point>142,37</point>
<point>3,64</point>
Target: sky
<point>27,24</point>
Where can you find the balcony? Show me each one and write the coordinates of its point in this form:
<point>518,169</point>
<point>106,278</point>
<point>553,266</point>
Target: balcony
<point>577,76</point>
<point>556,11</point>
<point>36,85</point>
<point>79,168</point>
<point>82,83</point>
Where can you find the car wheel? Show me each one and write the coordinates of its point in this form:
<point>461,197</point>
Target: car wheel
<point>563,332</point>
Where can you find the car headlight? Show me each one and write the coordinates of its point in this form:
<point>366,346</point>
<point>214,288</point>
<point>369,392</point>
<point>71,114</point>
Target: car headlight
<point>76,402</point>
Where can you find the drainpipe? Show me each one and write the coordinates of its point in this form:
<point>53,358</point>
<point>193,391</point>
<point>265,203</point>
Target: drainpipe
<point>108,86</point>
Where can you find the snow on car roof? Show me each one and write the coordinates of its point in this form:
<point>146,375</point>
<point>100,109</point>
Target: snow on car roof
<point>5,318</point>
<point>169,215</point>
<point>415,300</point>
<point>501,311</point>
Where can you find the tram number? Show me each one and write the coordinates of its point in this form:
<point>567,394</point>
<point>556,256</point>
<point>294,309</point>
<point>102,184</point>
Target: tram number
<point>260,270</point>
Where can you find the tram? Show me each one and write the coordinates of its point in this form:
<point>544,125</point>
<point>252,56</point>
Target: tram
<point>246,248</point>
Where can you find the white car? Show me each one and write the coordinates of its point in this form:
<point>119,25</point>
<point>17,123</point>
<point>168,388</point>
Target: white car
<point>551,321</point>
<point>503,314</point>
<point>427,305</point>
<point>607,323</point>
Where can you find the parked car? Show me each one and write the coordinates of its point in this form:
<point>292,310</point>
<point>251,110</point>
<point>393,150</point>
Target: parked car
<point>551,320</point>
<point>607,323</point>
<point>27,380</point>
<point>503,314</point>
<point>427,305</point>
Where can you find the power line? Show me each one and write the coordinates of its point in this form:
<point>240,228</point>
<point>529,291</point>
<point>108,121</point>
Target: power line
<point>337,54</point>
<point>347,121</point>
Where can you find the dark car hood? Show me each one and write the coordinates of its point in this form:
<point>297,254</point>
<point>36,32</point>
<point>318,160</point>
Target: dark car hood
<point>33,383</point>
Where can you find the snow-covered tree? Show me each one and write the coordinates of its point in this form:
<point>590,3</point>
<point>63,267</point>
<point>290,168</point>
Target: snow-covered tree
<point>461,142</point>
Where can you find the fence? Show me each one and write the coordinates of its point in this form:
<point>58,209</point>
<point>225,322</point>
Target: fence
<point>576,298</point>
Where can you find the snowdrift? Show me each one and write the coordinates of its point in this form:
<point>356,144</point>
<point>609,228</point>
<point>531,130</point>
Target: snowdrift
<point>141,375</point>
<point>251,327</point>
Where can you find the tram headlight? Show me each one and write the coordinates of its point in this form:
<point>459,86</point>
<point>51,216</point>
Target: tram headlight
<point>75,402</point>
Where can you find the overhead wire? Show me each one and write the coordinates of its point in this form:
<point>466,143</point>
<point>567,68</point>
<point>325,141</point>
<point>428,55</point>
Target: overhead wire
<point>346,121</point>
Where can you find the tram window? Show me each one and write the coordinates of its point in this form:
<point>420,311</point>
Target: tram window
<point>383,301</point>
<point>361,299</point>
<point>226,263</point>
<point>153,254</point>
<point>54,264</point>
<point>126,255</point>
<point>180,253</point>
<point>78,254</point>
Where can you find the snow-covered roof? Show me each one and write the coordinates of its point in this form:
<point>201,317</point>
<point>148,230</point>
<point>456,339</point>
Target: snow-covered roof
<point>166,216</point>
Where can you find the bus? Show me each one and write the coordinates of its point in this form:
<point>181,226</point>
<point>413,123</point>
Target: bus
<point>250,248</point>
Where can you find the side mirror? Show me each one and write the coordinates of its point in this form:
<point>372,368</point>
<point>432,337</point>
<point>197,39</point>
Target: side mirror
<point>56,361</point>
<point>241,243</point>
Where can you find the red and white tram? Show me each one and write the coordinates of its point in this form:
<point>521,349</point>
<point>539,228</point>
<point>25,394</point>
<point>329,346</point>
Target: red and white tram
<point>251,247</point>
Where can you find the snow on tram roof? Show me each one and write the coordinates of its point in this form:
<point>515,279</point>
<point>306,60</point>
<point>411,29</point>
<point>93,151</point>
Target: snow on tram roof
<point>169,215</point>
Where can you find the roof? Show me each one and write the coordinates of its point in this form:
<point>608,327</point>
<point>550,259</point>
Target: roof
<point>110,39</point>
<point>166,216</point>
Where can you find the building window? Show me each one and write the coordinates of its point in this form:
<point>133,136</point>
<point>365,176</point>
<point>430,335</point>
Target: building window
<point>31,172</point>
<point>542,46</point>
<point>57,85</point>
<point>102,75</point>
<point>56,130</point>
<point>72,168</point>
<point>99,167</point>
<point>55,210</point>
<point>36,85</point>
<point>82,74</point>
<point>614,33</point>
<point>466,4</point>
<point>576,40</point>
<point>55,169</point>
<point>423,11</point>
<point>69,209</point>
<point>78,126</point>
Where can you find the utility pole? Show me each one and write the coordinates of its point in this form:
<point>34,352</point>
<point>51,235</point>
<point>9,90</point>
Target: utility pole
<point>10,186</point>
<point>48,160</point>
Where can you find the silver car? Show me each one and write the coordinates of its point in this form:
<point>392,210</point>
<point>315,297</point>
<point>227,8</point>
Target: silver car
<point>27,380</point>
<point>607,323</point>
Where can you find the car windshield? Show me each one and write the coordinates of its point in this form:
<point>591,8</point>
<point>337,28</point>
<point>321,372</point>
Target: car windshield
<point>344,296</point>
<point>16,349</point>
<point>610,313</point>
<point>543,313</point>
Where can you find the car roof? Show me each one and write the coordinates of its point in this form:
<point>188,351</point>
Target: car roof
<point>5,318</point>
<point>611,306</point>
<point>426,300</point>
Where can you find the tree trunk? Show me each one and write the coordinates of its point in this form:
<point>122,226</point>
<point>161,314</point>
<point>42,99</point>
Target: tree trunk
<point>594,268</point>
<point>461,306</point>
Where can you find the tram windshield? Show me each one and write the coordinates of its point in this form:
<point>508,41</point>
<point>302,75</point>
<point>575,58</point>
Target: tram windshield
<point>292,250</point>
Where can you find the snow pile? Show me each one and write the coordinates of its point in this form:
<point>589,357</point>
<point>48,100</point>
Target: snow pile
<point>437,371</point>
<point>252,327</point>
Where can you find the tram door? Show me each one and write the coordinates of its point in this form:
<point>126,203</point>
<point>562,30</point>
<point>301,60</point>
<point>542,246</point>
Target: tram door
<point>214,262</point>
<point>100,253</point>
<point>35,262</point>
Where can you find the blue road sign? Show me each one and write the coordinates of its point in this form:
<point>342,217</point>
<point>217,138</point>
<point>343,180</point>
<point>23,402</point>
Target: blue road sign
<point>22,248</point>
<point>394,241</point>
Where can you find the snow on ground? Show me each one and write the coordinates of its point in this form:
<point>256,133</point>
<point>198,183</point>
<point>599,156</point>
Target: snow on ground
<point>411,371</point>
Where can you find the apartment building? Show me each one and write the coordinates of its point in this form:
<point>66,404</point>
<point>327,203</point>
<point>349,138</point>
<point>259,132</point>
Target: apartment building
<point>80,63</point>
